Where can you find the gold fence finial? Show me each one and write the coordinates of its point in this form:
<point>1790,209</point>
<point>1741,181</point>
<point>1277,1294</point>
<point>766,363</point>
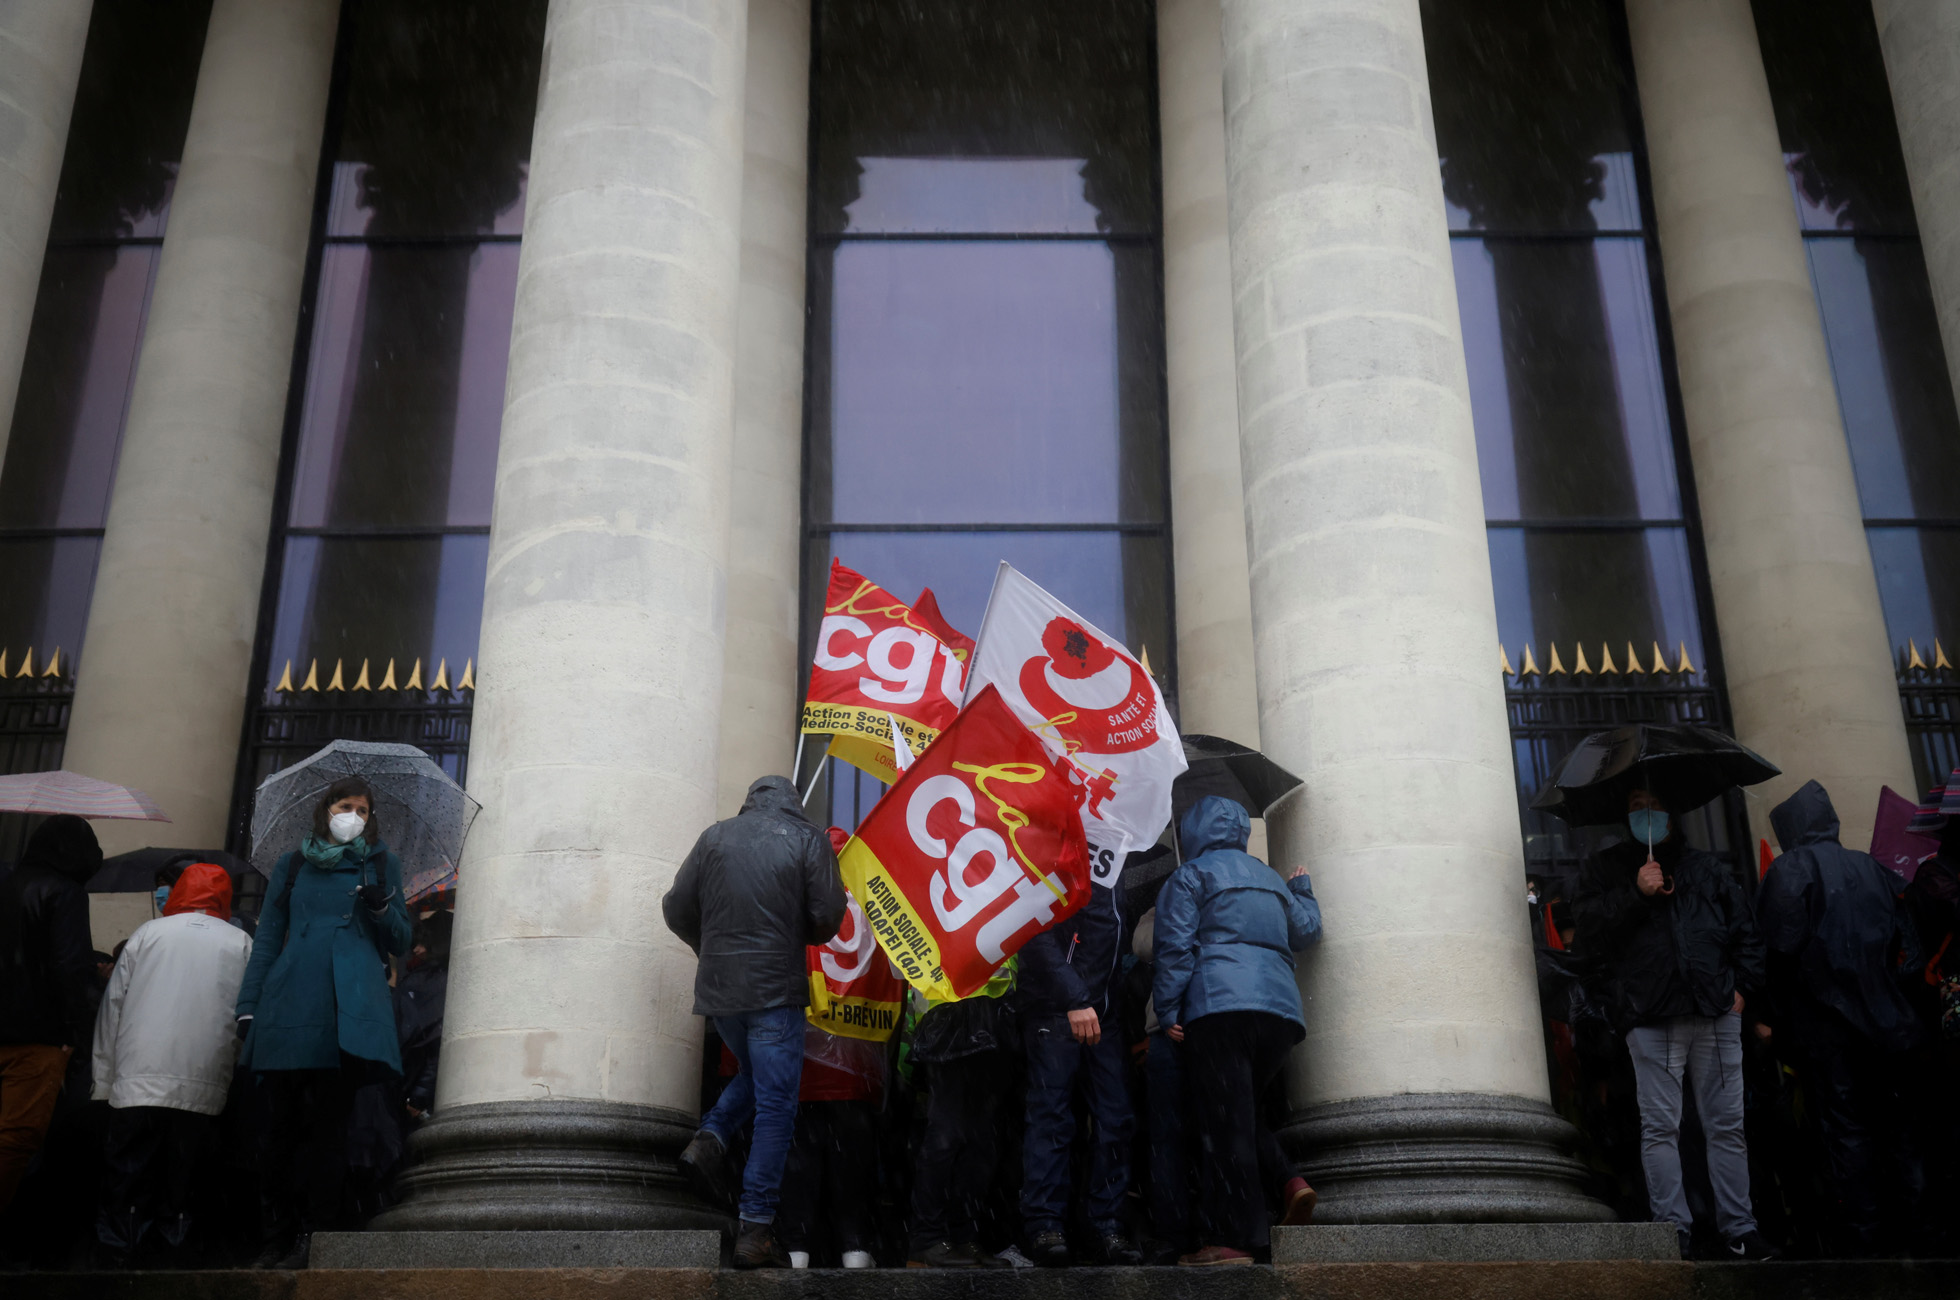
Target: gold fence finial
<point>415,676</point>
<point>1914,661</point>
<point>441,682</point>
<point>285,685</point>
<point>339,682</point>
<point>1606,664</point>
<point>468,682</point>
<point>388,678</point>
<point>1686,665</point>
<point>3,661</point>
<point>1660,660</point>
<point>361,682</point>
<point>26,664</point>
<point>1633,659</point>
<point>1503,657</point>
<point>1581,666</point>
<point>1143,653</point>
<point>312,682</point>
<point>54,664</point>
<point>1530,668</point>
<point>1554,666</point>
<point>1939,657</point>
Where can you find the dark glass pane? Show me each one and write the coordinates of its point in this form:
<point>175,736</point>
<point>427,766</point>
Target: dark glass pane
<point>990,383</point>
<point>1530,99</point>
<point>132,110</point>
<point>1834,114</point>
<point>405,386</point>
<point>44,591</point>
<point>437,127</point>
<point>351,601</point>
<point>1565,379</point>
<point>74,386</point>
<point>997,79</point>
<point>1919,585</point>
<point>1600,591</point>
<point>1891,375</point>
<point>1116,582</point>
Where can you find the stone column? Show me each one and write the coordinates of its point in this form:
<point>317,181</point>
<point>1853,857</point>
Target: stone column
<point>1921,40</point>
<point>161,683</point>
<point>1420,1091</point>
<point>571,1057</point>
<point>759,697</point>
<point>1216,693</point>
<point>1808,664</point>
<point>40,61</point>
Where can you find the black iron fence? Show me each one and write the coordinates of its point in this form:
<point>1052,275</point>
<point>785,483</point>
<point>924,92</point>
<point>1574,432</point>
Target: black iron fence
<point>33,733</point>
<point>1931,697</point>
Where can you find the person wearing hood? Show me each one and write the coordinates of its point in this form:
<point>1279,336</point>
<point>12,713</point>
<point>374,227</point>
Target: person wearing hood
<point>421,993</point>
<point>315,1010</point>
<point>1669,937</point>
<point>164,1048</point>
<point>46,1012</point>
<point>756,891</point>
<point>1838,932</point>
<point>1226,930</point>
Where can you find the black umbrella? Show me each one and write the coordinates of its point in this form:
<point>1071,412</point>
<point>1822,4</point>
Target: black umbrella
<point>1683,766</point>
<point>1225,767</point>
<point>135,872</point>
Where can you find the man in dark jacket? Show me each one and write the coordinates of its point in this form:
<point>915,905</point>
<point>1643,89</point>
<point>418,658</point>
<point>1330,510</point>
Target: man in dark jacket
<point>1069,1028</point>
<point>1668,936</point>
<point>1838,934</point>
<point>47,977</point>
<point>756,891</point>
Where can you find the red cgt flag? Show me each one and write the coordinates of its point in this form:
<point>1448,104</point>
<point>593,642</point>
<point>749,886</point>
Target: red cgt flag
<point>879,664</point>
<point>977,849</point>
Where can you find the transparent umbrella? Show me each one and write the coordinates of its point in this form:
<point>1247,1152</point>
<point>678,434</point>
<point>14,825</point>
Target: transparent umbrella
<point>424,815</point>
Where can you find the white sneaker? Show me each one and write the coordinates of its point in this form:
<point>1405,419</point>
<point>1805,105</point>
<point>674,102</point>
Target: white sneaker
<point>799,1259</point>
<point>1015,1258</point>
<point>859,1259</point>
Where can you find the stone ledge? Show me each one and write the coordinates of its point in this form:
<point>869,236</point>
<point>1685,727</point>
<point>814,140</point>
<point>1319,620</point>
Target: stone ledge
<point>673,1248</point>
<point>1435,1243</point>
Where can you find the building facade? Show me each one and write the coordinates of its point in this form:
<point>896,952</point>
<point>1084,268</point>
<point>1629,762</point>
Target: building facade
<point>1421,384</point>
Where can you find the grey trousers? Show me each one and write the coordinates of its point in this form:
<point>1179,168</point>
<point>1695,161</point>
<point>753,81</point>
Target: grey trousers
<point>1709,1052</point>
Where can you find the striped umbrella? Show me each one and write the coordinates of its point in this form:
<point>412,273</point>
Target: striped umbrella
<point>71,792</point>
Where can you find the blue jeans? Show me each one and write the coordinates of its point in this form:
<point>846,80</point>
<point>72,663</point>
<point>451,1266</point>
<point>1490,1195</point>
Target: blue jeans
<point>1056,1064</point>
<point>768,1045</point>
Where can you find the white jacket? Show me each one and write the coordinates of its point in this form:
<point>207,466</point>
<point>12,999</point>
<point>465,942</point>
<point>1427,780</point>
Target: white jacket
<point>165,1035</point>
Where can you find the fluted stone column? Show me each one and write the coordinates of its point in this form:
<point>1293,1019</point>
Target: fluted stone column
<point>759,697</point>
<point>1809,667</point>
<point>40,62</point>
<point>161,682</point>
<point>571,1057</point>
<point>1420,1091</point>
<point>1216,692</point>
<point>1921,40</point>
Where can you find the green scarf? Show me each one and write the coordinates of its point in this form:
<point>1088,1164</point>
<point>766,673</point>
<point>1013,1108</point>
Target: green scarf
<point>327,855</point>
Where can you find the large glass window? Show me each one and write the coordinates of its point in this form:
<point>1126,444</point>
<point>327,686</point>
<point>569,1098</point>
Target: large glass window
<point>386,516</point>
<point>1848,179</point>
<point>1593,552</point>
<point>986,377</point>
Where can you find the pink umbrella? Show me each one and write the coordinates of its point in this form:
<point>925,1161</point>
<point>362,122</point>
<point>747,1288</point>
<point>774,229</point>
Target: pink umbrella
<point>71,792</point>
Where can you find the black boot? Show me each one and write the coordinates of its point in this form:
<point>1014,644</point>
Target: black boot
<point>756,1247</point>
<point>705,1162</point>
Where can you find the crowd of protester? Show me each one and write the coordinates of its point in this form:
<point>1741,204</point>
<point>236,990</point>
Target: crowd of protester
<point>1759,1063</point>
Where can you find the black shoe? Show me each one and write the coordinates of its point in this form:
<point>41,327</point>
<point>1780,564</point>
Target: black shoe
<point>1686,1241</point>
<point>1119,1250</point>
<point>1750,1247</point>
<point>1049,1249</point>
<point>705,1162</point>
<point>291,1256</point>
<point>943,1254</point>
<point>1163,1254</point>
<point>755,1247</point>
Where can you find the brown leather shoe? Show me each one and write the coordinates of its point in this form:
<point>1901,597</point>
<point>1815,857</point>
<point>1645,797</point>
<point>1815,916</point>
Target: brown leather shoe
<point>1300,1200</point>
<point>756,1247</point>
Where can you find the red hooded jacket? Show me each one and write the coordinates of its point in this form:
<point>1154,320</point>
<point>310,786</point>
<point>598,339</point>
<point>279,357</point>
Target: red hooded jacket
<point>204,887</point>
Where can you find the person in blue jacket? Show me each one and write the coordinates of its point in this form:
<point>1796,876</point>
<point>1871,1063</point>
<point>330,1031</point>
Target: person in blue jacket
<point>315,1010</point>
<point>1227,928</point>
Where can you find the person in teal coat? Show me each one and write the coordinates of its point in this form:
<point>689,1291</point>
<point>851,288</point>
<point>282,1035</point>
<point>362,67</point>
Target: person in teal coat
<point>315,1009</point>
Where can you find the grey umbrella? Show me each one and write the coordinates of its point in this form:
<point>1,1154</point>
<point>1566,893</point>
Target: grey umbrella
<point>423,814</point>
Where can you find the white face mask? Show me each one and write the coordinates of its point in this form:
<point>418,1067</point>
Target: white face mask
<point>345,826</point>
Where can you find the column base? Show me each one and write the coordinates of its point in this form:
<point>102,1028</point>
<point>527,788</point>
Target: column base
<point>567,1165</point>
<point>1442,1158</point>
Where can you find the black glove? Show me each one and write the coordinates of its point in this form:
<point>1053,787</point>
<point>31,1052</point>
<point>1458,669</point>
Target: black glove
<point>374,897</point>
<point>244,1026</point>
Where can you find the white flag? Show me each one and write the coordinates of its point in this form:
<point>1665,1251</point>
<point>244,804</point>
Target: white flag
<point>1092,704</point>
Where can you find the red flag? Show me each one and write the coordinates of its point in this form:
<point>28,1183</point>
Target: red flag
<point>927,608</point>
<point>878,664</point>
<point>1763,858</point>
<point>853,992</point>
<point>975,850</point>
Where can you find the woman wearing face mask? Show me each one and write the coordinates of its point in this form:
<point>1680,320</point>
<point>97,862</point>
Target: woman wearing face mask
<point>315,1010</point>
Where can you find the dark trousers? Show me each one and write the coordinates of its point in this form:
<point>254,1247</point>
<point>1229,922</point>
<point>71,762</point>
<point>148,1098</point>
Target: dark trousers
<point>1057,1064</point>
<point>303,1154</point>
<point>1169,1137</point>
<point>831,1177</point>
<point>1230,1058</point>
<point>1863,1103</point>
<point>958,1153</point>
<point>151,1152</point>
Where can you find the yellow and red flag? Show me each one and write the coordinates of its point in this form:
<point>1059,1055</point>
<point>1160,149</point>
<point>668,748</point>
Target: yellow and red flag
<point>976,849</point>
<point>881,664</point>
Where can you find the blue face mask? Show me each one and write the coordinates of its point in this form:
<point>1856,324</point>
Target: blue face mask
<point>1649,825</point>
<point>163,896</point>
